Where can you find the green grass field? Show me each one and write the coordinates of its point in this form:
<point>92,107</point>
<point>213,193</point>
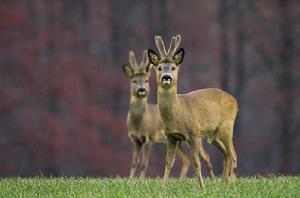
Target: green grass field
<point>118,187</point>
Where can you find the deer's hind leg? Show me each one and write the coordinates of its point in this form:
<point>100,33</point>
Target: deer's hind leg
<point>145,158</point>
<point>137,145</point>
<point>234,161</point>
<point>185,160</point>
<point>227,141</point>
<point>205,157</point>
<point>223,150</point>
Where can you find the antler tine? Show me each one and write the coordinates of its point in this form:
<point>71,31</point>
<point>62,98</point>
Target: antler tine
<point>145,60</point>
<point>132,59</point>
<point>172,46</point>
<point>160,46</point>
<point>178,40</point>
<point>175,42</point>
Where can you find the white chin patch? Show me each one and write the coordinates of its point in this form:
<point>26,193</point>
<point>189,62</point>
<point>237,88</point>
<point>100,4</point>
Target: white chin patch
<point>166,82</point>
<point>142,93</point>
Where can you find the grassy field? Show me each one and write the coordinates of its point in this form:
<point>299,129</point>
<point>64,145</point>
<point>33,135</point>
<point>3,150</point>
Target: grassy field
<point>118,187</point>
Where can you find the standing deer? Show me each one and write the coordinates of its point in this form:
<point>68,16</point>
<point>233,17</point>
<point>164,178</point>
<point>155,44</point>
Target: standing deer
<point>189,117</point>
<point>143,123</point>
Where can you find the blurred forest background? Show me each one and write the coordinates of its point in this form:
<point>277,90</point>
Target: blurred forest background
<point>64,98</point>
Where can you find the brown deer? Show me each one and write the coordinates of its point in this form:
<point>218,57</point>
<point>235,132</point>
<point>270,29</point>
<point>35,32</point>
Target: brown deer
<point>143,120</point>
<point>189,117</point>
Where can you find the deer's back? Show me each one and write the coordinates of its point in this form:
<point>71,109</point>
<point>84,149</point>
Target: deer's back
<point>207,109</point>
<point>210,101</point>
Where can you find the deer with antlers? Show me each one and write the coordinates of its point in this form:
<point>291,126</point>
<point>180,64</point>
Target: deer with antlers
<point>143,120</point>
<point>189,117</point>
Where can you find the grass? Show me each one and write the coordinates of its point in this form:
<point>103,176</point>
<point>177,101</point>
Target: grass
<point>118,187</point>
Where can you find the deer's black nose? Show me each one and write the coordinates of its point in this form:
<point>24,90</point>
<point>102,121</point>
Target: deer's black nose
<point>141,91</point>
<point>166,79</point>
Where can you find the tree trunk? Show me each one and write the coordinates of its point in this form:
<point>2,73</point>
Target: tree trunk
<point>116,41</point>
<point>239,63</point>
<point>224,51</point>
<point>149,21</point>
<point>163,17</point>
<point>286,86</point>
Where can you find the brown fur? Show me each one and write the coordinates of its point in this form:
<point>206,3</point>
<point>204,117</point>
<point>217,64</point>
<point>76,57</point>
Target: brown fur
<point>189,117</point>
<point>143,123</point>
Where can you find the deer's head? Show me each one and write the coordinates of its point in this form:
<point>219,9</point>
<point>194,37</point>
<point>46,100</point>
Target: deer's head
<point>167,63</point>
<point>138,75</point>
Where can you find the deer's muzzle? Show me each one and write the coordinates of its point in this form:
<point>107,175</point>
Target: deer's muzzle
<point>166,79</point>
<point>141,92</point>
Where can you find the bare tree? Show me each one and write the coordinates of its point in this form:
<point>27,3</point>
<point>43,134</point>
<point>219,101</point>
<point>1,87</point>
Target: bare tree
<point>224,50</point>
<point>157,18</point>
<point>118,40</point>
<point>240,59</point>
<point>285,85</point>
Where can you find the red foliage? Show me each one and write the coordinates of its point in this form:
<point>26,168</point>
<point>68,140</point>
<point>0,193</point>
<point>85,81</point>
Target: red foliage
<point>64,99</point>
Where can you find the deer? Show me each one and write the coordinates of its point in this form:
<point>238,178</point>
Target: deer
<point>205,113</point>
<point>143,120</point>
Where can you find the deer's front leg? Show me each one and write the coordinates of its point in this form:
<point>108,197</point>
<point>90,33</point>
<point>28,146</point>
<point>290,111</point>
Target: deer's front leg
<point>197,166</point>
<point>171,149</point>
<point>145,159</point>
<point>135,157</point>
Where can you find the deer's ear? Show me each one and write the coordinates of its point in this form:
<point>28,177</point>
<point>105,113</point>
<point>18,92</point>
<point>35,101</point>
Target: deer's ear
<point>178,56</point>
<point>153,57</point>
<point>148,67</point>
<point>128,71</point>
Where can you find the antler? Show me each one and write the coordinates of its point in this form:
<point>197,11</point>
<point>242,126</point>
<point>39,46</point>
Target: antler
<point>145,60</point>
<point>175,42</point>
<point>160,46</point>
<point>132,59</point>
<point>139,68</point>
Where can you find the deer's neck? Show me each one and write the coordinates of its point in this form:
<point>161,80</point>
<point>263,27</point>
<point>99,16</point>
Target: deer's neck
<point>138,109</point>
<point>168,103</point>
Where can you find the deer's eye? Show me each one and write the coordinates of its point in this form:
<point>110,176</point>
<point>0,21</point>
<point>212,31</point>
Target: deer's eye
<point>134,81</point>
<point>146,81</point>
<point>159,68</point>
<point>173,68</point>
